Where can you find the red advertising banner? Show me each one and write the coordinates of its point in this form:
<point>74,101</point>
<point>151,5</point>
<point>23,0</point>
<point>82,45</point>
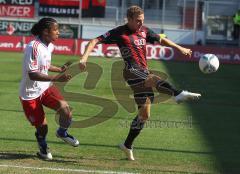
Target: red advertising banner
<point>100,50</point>
<point>23,8</point>
<point>9,43</point>
<point>158,52</point>
<point>63,3</point>
<point>65,46</point>
<point>225,55</point>
<point>93,8</point>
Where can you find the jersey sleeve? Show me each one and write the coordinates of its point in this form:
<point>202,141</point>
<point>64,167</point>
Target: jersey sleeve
<point>152,36</point>
<point>109,37</point>
<point>31,59</point>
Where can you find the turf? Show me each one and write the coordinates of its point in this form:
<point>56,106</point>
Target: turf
<point>200,137</point>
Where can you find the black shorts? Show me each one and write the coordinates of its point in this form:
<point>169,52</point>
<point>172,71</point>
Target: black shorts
<point>135,77</point>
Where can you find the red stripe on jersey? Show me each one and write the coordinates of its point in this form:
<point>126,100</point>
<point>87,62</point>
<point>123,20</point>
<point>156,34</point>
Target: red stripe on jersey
<point>35,53</point>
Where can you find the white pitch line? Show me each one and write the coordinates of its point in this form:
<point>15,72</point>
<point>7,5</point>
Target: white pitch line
<point>65,169</point>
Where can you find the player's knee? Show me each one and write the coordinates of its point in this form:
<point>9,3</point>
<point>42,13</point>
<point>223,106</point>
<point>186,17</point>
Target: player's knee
<point>62,104</point>
<point>144,114</point>
<point>64,109</point>
<point>38,122</point>
<point>144,111</point>
<point>42,129</point>
<point>144,117</point>
<point>151,80</point>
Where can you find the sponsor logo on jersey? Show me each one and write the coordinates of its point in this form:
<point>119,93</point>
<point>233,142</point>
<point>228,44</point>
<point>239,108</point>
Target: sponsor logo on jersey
<point>140,42</point>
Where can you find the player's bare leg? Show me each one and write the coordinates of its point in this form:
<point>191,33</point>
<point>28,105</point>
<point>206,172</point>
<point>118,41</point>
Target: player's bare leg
<point>135,129</point>
<point>65,118</point>
<point>166,88</point>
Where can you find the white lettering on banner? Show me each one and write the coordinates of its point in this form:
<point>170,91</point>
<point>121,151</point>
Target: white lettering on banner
<point>236,57</point>
<point>14,11</point>
<point>17,2</point>
<point>153,52</point>
<point>61,48</point>
<point>20,26</point>
<point>22,2</point>
<point>21,45</point>
<point>159,52</point>
<point>53,10</point>
<point>224,56</point>
<point>6,45</point>
<point>198,54</point>
<point>113,51</point>
<point>97,51</point>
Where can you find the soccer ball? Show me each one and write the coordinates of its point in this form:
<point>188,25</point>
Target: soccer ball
<point>208,63</point>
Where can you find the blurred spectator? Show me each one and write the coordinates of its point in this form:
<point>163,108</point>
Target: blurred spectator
<point>66,31</point>
<point>199,42</point>
<point>236,22</point>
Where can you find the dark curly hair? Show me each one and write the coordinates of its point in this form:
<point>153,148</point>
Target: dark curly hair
<point>44,23</point>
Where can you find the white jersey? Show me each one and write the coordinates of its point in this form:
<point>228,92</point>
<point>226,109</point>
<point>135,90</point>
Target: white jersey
<point>37,58</point>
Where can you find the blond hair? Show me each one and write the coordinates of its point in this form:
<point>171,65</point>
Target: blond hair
<point>134,10</point>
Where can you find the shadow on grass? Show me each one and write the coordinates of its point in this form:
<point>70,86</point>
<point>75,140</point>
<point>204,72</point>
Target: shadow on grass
<point>218,111</point>
<point>19,155</point>
<point>14,156</point>
<point>110,146</point>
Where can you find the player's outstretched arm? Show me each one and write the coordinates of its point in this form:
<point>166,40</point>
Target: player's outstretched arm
<point>63,68</point>
<point>53,68</point>
<point>185,51</point>
<point>36,76</point>
<point>88,50</point>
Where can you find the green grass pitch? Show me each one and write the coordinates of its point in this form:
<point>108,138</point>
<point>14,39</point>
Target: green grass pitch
<point>207,140</point>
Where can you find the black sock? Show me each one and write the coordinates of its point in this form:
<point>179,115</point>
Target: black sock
<point>136,127</point>
<point>41,134</point>
<point>41,140</point>
<point>167,88</point>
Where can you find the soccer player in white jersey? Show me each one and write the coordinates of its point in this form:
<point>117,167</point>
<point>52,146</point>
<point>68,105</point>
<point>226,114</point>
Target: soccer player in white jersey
<point>36,89</point>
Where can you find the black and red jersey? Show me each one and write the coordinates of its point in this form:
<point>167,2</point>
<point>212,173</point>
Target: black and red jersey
<point>132,45</point>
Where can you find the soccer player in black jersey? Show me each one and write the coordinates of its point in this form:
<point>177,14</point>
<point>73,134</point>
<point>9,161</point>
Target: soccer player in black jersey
<point>131,39</point>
